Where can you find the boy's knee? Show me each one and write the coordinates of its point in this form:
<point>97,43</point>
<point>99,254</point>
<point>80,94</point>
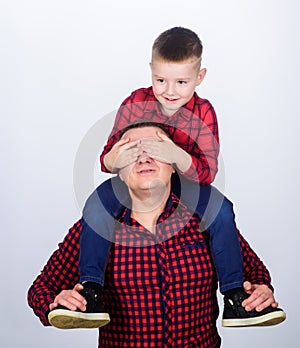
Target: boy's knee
<point>92,207</point>
<point>226,211</point>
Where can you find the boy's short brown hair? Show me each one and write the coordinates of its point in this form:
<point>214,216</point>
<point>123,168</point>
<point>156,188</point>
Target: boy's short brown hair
<point>177,44</point>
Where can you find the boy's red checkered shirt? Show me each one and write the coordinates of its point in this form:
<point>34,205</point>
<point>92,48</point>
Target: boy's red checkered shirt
<point>194,128</point>
<point>160,290</point>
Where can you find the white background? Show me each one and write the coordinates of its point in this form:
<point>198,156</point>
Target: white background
<point>65,64</point>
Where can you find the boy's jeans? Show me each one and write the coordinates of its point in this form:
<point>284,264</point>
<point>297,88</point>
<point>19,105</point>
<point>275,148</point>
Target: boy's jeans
<point>103,208</point>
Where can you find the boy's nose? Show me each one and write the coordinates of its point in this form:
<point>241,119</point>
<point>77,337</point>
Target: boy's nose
<point>170,89</point>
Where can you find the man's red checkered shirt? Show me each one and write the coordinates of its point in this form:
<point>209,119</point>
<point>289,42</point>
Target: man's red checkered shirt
<point>160,290</point>
<point>194,128</point>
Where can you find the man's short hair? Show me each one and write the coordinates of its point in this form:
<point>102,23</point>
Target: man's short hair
<point>142,124</point>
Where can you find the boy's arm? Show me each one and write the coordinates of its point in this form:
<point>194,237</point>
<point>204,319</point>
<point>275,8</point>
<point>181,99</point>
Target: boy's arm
<point>128,112</point>
<point>60,272</point>
<point>196,133</point>
<point>204,145</point>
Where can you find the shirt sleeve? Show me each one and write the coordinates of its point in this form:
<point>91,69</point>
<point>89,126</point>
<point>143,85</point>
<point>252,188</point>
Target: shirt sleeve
<point>254,269</point>
<point>123,117</point>
<point>60,272</point>
<point>199,137</point>
<point>206,147</point>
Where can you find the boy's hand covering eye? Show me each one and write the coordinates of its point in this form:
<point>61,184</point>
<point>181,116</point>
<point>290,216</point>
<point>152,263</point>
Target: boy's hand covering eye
<point>123,153</point>
<point>165,150</point>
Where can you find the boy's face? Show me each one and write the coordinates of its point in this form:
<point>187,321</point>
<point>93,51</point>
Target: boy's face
<point>174,83</point>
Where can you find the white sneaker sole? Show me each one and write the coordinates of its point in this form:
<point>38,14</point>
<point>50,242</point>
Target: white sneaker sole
<point>268,319</point>
<point>66,319</point>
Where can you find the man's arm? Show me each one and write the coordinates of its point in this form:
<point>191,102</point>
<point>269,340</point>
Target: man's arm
<point>60,273</point>
<point>257,280</point>
<point>254,269</point>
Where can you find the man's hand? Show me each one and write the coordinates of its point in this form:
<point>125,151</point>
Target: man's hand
<point>123,153</point>
<point>70,299</point>
<point>261,297</point>
<point>165,150</point>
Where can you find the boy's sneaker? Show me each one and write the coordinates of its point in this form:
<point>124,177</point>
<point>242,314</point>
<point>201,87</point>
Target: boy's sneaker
<point>235,315</point>
<point>95,315</point>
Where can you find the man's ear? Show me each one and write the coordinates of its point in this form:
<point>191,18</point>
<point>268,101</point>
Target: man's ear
<point>120,175</point>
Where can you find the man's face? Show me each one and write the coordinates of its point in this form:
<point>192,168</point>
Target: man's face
<point>146,173</point>
<point>174,83</point>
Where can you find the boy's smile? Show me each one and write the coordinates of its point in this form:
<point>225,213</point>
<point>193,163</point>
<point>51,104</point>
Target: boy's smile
<point>174,83</point>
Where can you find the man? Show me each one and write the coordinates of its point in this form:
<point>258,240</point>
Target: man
<point>160,284</point>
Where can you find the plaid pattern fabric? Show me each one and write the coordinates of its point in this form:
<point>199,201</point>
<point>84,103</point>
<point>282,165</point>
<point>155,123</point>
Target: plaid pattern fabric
<point>159,292</point>
<point>194,128</point>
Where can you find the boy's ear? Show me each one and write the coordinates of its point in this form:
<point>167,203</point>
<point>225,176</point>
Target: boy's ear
<point>201,75</point>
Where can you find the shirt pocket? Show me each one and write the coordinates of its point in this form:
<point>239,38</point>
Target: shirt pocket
<point>189,261</point>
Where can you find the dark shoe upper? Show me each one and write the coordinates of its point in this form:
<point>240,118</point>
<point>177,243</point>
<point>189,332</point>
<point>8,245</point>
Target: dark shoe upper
<point>94,316</point>
<point>92,292</point>
<point>233,307</point>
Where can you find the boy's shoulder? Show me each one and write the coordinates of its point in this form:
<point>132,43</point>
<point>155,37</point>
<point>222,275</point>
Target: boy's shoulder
<point>142,94</point>
<point>197,102</point>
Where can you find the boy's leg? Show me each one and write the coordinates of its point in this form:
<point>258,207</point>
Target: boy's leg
<point>99,214</point>
<point>217,214</point>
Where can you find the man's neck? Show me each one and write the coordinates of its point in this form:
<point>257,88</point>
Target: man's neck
<point>148,206</point>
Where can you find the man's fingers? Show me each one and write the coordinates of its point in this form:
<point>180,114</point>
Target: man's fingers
<point>72,303</point>
<point>259,304</point>
<point>260,298</point>
<point>247,286</point>
<point>70,299</point>
<point>53,305</point>
<point>78,287</point>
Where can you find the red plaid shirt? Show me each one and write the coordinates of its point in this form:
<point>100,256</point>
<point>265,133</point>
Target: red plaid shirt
<point>160,290</point>
<point>194,128</point>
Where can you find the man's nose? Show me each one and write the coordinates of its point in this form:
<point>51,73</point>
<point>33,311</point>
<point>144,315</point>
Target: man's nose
<point>144,157</point>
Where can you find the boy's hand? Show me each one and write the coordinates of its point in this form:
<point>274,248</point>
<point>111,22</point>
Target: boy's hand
<point>123,153</point>
<point>70,299</point>
<point>261,297</point>
<point>165,150</point>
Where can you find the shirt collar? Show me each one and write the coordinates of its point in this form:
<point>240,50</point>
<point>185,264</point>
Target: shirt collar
<point>171,205</point>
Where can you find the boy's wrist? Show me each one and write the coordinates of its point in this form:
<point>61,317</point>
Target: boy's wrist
<point>185,162</point>
<point>106,164</point>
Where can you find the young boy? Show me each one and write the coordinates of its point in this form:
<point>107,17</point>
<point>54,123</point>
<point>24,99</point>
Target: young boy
<point>191,121</point>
